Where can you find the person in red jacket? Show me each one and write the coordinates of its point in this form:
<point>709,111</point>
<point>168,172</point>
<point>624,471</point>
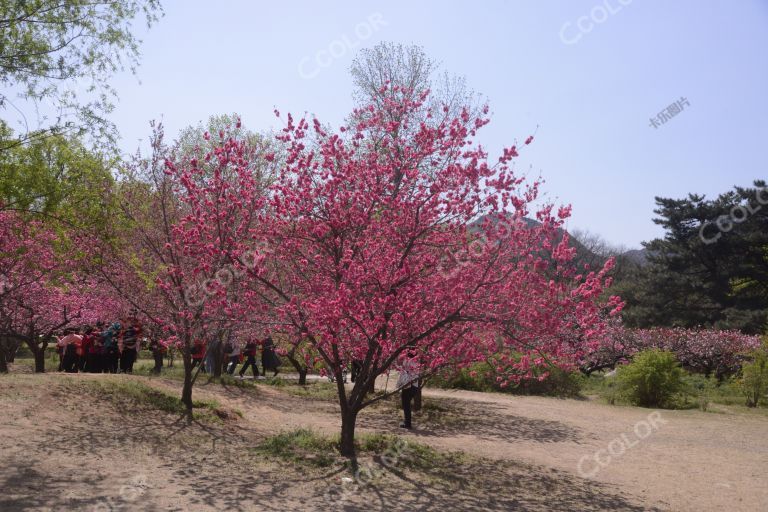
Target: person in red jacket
<point>198,351</point>
<point>70,343</point>
<point>85,350</point>
<point>94,362</point>
<point>250,359</point>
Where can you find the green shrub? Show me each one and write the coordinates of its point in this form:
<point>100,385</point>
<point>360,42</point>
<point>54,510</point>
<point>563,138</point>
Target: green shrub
<point>698,389</point>
<point>754,377</point>
<point>482,377</point>
<point>651,379</point>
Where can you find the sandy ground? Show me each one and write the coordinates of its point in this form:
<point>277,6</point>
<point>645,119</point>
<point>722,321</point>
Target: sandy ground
<point>64,451</point>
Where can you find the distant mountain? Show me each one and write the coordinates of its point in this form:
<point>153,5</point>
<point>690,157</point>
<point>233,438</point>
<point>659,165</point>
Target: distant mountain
<point>637,256</point>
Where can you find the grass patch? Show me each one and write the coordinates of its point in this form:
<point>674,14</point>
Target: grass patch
<point>136,393</point>
<point>309,448</point>
<point>301,446</point>
<point>698,392</point>
<point>313,390</point>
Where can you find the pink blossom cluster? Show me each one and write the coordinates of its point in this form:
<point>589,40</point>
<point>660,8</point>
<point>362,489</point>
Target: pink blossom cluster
<point>707,351</point>
<point>45,289</point>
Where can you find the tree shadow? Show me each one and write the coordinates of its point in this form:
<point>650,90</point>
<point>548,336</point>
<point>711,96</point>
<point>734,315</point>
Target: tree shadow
<point>480,485</point>
<point>483,420</point>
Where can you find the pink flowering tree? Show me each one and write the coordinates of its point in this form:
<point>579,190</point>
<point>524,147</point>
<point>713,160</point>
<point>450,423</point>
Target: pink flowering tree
<point>181,213</point>
<point>395,236</point>
<point>44,289</point>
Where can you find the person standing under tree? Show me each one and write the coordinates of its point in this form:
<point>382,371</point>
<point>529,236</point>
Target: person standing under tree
<point>129,349</point>
<point>408,382</point>
<point>111,352</point>
<point>158,351</point>
<point>70,342</point>
<point>197,352</point>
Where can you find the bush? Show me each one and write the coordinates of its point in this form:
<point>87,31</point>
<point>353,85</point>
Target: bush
<point>702,389</point>
<point>482,377</point>
<point>651,379</point>
<point>754,377</point>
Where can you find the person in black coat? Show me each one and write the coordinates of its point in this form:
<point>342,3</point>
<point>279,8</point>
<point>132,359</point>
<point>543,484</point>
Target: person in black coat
<point>269,359</point>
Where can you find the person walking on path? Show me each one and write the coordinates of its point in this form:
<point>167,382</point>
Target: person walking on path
<point>232,352</point>
<point>269,359</point>
<point>250,359</point>
<point>408,382</point>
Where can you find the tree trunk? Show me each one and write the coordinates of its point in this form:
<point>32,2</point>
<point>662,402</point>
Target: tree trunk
<point>218,360</point>
<point>299,368</point>
<point>39,359</point>
<point>3,360</point>
<point>348,421</point>
<point>11,347</point>
<point>186,392</point>
<point>417,397</point>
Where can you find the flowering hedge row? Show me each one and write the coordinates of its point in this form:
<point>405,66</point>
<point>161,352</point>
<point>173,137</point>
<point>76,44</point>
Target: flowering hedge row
<point>704,351</point>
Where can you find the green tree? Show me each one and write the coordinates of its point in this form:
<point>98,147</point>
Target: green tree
<point>50,49</point>
<point>711,267</point>
<point>754,380</point>
<point>57,178</point>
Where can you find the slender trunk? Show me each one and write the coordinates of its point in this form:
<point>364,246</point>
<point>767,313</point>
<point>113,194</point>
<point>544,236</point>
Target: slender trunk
<point>348,421</point>
<point>218,360</point>
<point>300,368</point>
<point>186,392</point>
<point>417,397</point>
<point>39,359</point>
<point>10,350</point>
<point>3,359</point>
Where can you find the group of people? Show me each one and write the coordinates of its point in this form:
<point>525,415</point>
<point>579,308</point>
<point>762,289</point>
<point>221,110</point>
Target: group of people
<point>114,349</point>
<point>101,348</point>
<point>235,355</point>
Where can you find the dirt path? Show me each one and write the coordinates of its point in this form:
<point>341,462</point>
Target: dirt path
<point>677,460</point>
<point>684,460</point>
<point>58,454</point>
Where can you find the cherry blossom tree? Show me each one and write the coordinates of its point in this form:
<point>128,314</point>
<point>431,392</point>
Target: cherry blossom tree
<point>172,254</point>
<point>43,288</point>
<point>391,237</point>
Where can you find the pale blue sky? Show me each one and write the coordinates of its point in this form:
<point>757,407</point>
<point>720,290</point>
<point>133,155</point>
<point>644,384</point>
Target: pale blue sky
<point>592,100</point>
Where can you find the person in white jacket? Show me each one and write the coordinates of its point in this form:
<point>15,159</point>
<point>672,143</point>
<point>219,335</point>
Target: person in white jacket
<point>408,382</point>
<point>233,356</point>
